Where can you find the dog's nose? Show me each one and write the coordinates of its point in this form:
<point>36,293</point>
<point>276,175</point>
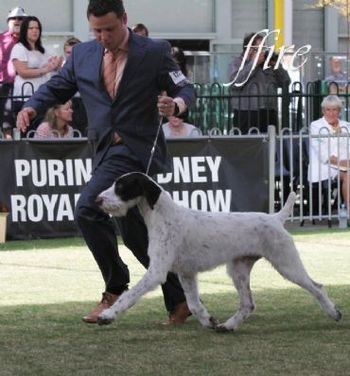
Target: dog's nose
<point>99,200</point>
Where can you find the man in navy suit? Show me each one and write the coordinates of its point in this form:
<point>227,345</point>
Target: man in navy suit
<point>125,126</point>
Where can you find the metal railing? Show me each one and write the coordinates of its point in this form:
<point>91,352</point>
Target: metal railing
<point>297,106</point>
<point>289,165</point>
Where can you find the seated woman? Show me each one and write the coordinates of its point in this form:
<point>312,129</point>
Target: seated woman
<point>56,122</point>
<point>176,127</point>
<point>330,156</point>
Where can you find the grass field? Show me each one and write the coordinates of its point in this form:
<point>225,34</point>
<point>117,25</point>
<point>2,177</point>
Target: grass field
<point>47,286</point>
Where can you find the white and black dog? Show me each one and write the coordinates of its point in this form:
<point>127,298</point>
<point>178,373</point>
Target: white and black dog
<point>187,241</point>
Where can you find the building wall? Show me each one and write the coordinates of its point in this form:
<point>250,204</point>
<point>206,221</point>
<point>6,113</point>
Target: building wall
<point>248,16</point>
<point>219,21</point>
<point>187,17</point>
<point>308,24</point>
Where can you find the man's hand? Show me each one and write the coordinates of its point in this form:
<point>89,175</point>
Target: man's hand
<point>24,117</point>
<point>166,105</point>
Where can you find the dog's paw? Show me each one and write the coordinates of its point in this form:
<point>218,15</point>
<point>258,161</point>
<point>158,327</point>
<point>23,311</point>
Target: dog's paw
<point>106,317</point>
<point>221,328</point>
<point>101,321</point>
<point>338,315</point>
<point>213,323</point>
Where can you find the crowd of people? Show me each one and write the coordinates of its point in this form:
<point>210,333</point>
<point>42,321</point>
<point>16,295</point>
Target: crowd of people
<point>25,65</point>
<point>255,80</point>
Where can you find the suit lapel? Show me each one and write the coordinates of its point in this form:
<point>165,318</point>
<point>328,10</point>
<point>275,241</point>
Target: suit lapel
<point>136,53</point>
<point>94,59</point>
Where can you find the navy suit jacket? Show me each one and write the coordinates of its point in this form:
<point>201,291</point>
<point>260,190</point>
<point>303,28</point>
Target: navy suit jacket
<point>133,113</point>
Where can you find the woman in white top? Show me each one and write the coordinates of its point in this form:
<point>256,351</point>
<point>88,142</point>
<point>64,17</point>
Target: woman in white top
<point>330,154</point>
<point>32,64</point>
<point>176,127</point>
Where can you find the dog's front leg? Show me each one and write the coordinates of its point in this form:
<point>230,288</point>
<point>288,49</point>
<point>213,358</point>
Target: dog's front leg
<point>190,286</point>
<point>239,270</point>
<point>148,282</point>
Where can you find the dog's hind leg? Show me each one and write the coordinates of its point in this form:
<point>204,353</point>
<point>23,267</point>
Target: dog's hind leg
<point>190,286</point>
<point>290,266</point>
<point>239,270</point>
<point>151,279</point>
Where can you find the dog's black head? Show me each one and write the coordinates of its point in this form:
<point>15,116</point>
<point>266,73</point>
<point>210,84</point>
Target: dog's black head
<point>136,184</point>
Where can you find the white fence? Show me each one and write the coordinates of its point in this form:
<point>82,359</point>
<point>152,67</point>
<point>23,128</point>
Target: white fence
<point>291,155</point>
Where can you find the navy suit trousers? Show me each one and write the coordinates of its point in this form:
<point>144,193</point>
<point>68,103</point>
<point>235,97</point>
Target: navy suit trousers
<point>100,233</point>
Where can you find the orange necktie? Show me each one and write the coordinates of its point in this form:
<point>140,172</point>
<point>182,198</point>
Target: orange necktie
<point>109,73</point>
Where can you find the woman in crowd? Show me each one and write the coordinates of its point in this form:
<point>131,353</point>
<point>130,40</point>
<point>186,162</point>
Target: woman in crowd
<point>56,122</point>
<point>179,56</point>
<point>68,47</point>
<point>140,29</point>
<point>330,156</point>
<point>177,127</point>
<point>32,64</point>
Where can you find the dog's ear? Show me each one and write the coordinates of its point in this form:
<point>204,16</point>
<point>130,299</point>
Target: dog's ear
<point>128,187</point>
<point>133,185</point>
<point>117,187</point>
<point>151,192</point>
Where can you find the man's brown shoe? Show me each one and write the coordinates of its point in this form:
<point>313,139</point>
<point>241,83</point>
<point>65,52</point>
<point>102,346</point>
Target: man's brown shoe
<point>107,301</point>
<point>179,315</point>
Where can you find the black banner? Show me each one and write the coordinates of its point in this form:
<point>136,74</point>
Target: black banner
<point>221,174</point>
<point>41,186</point>
<point>42,180</point>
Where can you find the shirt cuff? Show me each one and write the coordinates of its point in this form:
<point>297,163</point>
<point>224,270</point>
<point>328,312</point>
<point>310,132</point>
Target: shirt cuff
<point>181,103</point>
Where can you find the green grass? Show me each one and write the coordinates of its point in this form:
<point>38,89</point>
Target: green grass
<point>48,285</point>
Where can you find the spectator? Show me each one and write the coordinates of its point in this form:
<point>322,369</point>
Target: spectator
<point>56,122</point>
<point>337,80</point>
<point>32,64</point>
<point>180,58</point>
<point>255,102</point>
<point>176,127</point>
<point>140,29</point>
<point>330,156</point>
<point>7,74</point>
<point>68,46</point>
<point>79,120</point>
<point>336,75</point>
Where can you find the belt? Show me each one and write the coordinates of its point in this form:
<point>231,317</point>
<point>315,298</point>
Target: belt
<point>116,139</point>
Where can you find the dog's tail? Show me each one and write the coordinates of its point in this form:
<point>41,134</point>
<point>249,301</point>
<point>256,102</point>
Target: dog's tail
<point>287,209</point>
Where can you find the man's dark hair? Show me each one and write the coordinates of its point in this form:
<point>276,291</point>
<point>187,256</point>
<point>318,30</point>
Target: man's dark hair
<point>100,8</point>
